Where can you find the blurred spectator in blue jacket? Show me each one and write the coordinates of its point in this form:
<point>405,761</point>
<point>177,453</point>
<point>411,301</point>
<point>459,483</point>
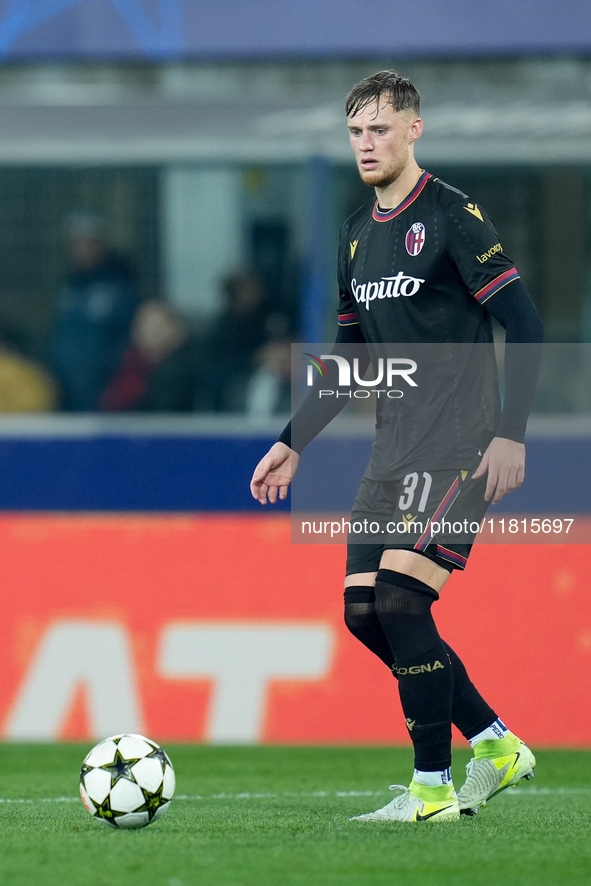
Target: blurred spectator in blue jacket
<point>268,391</point>
<point>230,343</point>
<point>95,310</point>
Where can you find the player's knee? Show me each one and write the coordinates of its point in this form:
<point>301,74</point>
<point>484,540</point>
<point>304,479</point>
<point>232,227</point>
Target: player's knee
<point>359,609</point>
<point>399,594</point>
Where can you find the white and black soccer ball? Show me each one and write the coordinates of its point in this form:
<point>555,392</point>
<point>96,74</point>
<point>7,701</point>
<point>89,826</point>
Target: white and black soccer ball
<point>127,781</point>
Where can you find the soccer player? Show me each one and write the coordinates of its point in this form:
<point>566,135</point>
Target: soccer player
<point>423,264</point>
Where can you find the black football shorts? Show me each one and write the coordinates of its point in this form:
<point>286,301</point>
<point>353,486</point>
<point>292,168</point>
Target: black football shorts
<point>435,513</point>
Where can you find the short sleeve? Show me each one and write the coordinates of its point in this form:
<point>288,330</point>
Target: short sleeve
<point>475,247</point>
<point>346,311</point>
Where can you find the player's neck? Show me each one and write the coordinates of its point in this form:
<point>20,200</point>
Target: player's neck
<point>392,195</point>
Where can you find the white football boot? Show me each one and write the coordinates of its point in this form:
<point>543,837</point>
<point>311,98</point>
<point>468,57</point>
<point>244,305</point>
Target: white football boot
<point>487,774</point>
<point>417,803</point>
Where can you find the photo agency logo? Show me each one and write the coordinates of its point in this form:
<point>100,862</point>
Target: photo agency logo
<point>345,378</point>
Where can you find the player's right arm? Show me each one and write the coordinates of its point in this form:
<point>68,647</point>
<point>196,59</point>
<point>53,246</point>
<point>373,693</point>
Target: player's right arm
<point>316,411</point>
<point>274,472</point>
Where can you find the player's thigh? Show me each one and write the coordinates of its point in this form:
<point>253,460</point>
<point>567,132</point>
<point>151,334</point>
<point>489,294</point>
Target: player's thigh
<point>417,565</point>
<point>374,505</point>
<point>436,520</point>
<point>361,580</point>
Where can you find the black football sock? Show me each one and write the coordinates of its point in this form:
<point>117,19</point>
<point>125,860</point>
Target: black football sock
<point>362,621</point>
<point>425,677</point>
<point>470,712</point>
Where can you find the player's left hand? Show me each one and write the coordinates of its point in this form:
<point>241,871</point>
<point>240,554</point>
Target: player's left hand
<point>504,460</point>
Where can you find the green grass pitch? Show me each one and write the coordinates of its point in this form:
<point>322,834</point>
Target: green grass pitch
<point>273,816</point>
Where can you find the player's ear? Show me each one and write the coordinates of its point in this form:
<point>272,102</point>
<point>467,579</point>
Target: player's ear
<point>416,129</point>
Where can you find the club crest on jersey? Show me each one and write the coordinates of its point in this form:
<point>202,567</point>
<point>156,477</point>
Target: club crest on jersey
<point>415,238</point>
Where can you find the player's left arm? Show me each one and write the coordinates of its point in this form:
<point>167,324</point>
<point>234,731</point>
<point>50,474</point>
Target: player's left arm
<point>504,459</point>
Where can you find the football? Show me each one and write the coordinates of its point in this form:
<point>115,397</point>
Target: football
<point>127,781</point>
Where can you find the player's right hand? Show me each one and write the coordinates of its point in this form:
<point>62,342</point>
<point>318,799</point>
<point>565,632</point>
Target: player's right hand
<point>273,474</point>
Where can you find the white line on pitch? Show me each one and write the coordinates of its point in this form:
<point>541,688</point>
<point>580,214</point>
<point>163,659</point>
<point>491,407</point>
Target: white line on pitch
<point>527,792</point>
<point>218,796</point>
<point>566,791</point>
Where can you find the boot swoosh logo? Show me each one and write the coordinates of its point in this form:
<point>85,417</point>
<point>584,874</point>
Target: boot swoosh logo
<point>420,817</point>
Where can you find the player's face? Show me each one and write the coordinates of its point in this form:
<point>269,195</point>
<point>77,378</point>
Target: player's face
<point>381,139</point>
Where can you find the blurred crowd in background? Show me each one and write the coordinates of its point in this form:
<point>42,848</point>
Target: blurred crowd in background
<point>107,340</point>
<point>162,282</point>
<point>110,346</point>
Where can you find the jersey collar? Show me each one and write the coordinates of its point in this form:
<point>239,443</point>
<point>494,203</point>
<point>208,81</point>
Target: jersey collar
<point>381,216</point>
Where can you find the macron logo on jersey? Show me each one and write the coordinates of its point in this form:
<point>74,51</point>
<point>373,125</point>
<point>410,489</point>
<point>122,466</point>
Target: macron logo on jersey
<point>473,209</point>
<point>387,287</point>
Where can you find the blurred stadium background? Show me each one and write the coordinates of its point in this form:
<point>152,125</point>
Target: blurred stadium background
<point>205,146</point>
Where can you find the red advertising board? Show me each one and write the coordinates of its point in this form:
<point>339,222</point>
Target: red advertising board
<point>218,629</point>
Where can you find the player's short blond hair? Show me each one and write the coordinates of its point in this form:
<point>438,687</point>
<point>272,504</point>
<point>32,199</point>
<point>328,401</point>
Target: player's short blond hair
<point>387,85</point>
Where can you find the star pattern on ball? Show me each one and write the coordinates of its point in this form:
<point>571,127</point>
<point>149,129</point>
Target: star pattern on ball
<point>154,802</point>
<point>105,812</point>
<point>159,754</point>
<point>120,768</point>
<point>121,786</point>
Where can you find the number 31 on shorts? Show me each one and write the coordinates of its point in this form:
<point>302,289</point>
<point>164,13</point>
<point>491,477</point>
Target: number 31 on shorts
<point>410,484</point>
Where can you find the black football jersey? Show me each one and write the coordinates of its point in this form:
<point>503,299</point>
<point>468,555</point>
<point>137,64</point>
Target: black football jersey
<point>416,279</point>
